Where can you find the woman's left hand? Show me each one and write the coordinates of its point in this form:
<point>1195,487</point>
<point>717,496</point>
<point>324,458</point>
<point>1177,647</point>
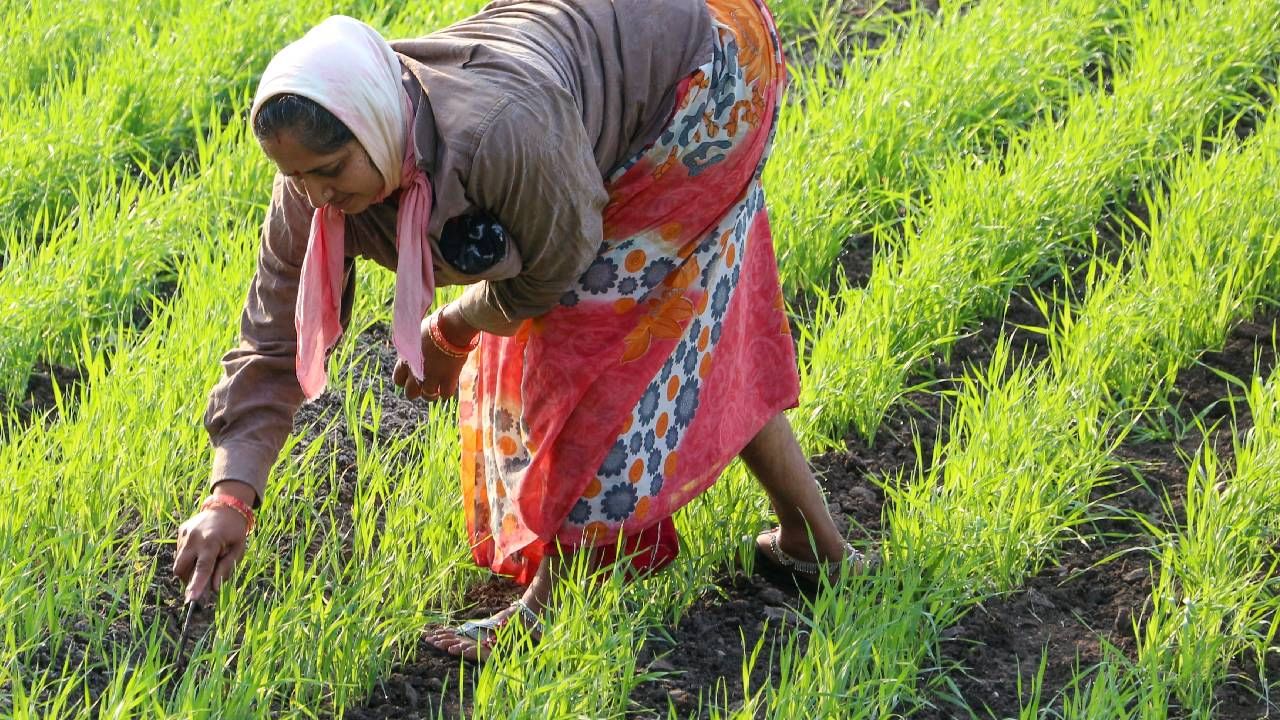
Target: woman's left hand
<point>440,368</point>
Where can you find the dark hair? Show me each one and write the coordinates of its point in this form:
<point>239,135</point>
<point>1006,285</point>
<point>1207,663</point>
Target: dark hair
<point>319,130</point>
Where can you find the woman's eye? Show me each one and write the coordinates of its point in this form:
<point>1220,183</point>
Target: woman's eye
<point>332,172</point>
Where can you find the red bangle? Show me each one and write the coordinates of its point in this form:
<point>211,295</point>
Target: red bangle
<point>442,343</point>
<point>235,503</point>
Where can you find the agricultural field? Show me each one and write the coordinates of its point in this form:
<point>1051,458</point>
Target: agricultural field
<point>1032,255</point>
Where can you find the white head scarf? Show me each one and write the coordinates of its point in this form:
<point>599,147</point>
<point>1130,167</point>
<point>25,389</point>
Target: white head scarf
<point>348,69</point>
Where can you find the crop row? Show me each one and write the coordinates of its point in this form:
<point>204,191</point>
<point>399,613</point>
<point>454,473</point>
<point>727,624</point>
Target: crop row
<point>1213,596</point>
<point>1028,446</point>
<point>993,225</point>
<point>881,131</point>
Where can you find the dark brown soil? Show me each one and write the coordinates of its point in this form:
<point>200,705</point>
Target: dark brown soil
<point>702,663</point>
<point>1068,611</point>
<point>401,417</point>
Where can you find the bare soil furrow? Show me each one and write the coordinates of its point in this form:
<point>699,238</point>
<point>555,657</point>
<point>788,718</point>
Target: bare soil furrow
<point>1101,584</point>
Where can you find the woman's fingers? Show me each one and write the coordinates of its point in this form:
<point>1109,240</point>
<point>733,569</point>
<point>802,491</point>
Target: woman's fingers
<point>428,388</point>
<point>203,572</point>
<point>402,376</point>
<point>209,545</point>
<point>185,558</point>
<point>449,387</point>
<point>412,389</point>
<point>226,565</point>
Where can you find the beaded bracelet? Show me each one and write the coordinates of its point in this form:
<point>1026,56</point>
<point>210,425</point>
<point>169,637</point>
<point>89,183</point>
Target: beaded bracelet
<point>235,503</point>
<point>442,343</point>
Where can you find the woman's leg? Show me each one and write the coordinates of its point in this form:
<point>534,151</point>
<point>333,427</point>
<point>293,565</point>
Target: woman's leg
<point>775,458</point>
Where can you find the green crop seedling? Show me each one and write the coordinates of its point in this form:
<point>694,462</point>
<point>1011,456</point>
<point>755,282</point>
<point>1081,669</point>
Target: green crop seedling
<point>942,171</point>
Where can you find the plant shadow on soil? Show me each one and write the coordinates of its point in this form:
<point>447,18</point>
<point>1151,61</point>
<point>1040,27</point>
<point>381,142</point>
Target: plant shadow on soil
<point>39,400</point>
<point>47,381</point>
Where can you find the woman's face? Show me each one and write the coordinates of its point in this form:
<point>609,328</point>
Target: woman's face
<point>345,179</point>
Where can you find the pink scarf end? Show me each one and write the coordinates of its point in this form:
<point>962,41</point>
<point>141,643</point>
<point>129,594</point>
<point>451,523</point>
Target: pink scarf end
<point>320,288</point>
<point>319,299</point>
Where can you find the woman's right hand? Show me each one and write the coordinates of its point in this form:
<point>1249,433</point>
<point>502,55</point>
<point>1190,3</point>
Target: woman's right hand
<point>211,542</point>
<point>440,368</point>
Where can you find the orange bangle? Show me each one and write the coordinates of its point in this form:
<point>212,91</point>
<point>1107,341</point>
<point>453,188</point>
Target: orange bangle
<point>442,343</point>
<point>235,503</point>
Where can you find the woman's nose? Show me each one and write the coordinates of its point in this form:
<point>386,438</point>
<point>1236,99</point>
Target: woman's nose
<point>318,193</point>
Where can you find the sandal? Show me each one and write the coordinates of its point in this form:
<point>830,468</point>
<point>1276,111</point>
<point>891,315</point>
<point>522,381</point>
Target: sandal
<point>483,633</point>
<point>805,573</point>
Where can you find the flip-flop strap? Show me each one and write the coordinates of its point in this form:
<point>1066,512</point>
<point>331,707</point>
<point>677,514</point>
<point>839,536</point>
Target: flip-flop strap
<point>471,629</point>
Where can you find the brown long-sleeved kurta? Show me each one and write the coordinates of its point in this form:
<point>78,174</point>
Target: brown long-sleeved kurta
<point>522,110</point>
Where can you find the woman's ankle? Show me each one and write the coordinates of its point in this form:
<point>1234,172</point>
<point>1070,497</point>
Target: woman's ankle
<point>535,601</point>
<point>802,545</point>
